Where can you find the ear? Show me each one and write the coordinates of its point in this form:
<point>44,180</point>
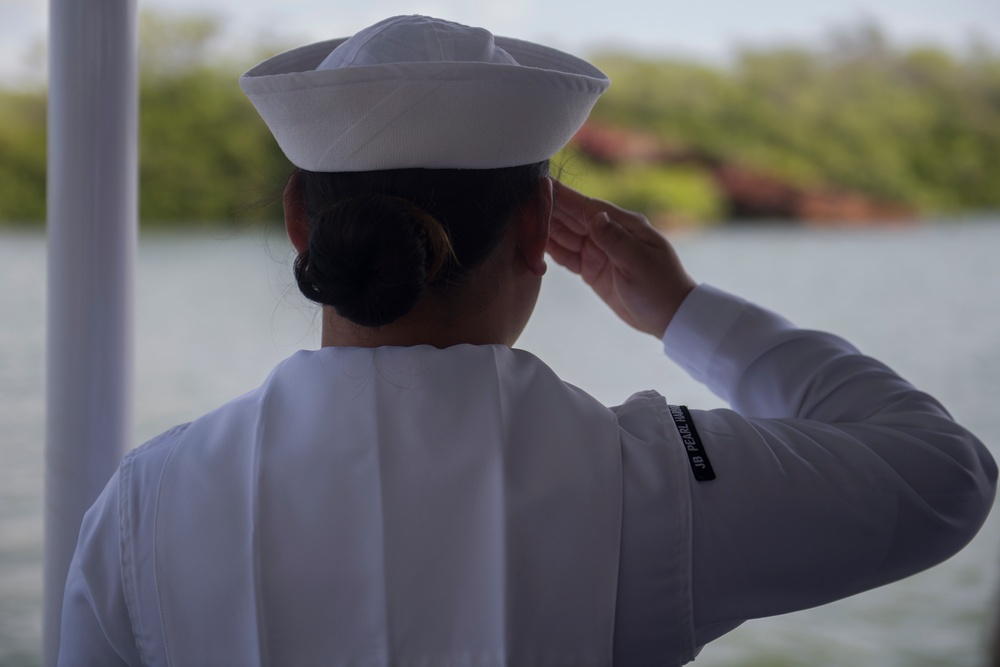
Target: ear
<point>533,228</point>
<point>295,213</point>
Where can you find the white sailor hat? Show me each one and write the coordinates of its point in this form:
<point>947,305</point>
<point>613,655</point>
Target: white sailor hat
<point>413,91</point>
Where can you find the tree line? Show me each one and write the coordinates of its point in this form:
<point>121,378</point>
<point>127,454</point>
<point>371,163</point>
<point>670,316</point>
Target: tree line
<point>918,125</point>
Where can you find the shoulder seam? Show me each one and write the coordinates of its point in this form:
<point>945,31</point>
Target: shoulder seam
<point>156,440</point>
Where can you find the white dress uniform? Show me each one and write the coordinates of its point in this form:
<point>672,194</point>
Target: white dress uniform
<point>466,507</point>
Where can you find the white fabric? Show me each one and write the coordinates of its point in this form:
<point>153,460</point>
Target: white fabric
<point>403,39</point>
<point>408,506</point>
<point>418,92</point>
<point>391,506</point>
<point>835,475</point>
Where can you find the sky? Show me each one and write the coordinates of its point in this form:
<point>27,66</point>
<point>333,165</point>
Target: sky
<point>706,29</point>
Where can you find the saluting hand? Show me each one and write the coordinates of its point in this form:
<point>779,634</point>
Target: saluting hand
<point>623,258</point>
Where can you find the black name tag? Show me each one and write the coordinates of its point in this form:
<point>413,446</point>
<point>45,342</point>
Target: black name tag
<point>700,465</point>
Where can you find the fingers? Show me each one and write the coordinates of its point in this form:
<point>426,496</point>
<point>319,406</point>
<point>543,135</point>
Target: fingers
<point>612,234</point>
<point>573,211</point>
<point>564,256</point>
<point>624,259</point>
<point>568,232</point>
<point>578,212</point>
<point>612,237</point>
<point>581,254</point>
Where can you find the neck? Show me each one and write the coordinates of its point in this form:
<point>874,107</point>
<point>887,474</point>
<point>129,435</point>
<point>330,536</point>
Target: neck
<point>480,318</point>
<point>490,308</point>
<point>415,328</point>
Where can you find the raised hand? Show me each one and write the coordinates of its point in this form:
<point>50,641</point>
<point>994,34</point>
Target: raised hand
<point>627,262</point>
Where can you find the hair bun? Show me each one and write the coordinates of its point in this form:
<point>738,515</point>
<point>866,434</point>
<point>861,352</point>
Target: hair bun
<point>370,257</point>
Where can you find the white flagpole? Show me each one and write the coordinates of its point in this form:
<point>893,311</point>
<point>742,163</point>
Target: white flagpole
<point>92,211</point>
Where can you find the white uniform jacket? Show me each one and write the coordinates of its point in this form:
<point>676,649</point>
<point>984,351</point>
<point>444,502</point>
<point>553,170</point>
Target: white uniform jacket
<point>465,507</point>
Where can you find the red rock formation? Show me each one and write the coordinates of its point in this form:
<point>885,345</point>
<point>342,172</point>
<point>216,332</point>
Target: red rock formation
<point>823,207</point>
<point>750,193</point>
<point>613,145</point>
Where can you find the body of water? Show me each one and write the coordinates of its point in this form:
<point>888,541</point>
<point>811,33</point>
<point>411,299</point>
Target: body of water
<point>215,312</point>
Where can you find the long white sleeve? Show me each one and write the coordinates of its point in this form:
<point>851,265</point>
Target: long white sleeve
<point>95,629</point>
<point>834,475</point>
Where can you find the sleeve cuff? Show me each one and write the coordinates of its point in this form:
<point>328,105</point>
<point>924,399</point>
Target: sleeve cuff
<point>715,336</point>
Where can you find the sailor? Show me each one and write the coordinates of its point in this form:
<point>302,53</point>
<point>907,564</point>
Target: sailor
<point>420,492</point>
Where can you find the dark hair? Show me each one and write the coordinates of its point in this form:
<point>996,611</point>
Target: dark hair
<point>379,239</point>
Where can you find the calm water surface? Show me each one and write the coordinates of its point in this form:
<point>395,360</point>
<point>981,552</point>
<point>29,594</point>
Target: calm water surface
<point>215,312</point>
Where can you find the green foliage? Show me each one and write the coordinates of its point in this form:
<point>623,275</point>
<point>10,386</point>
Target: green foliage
<point>920,126</point>
<point>171,45</point>
<point>205,154</point>
<point>22,157</point>
<point>666,194</point>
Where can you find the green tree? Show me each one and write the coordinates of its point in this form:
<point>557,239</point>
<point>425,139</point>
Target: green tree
<point>920,126</point>
<point>22,157</point>
<point>205,153</point>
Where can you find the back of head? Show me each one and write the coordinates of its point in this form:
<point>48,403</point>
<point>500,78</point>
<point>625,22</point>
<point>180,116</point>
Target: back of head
<point>379,240</point>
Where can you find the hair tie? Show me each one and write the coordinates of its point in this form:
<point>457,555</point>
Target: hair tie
<point>438,237</point>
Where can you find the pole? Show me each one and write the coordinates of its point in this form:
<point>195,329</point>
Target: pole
<point>92,211</point>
